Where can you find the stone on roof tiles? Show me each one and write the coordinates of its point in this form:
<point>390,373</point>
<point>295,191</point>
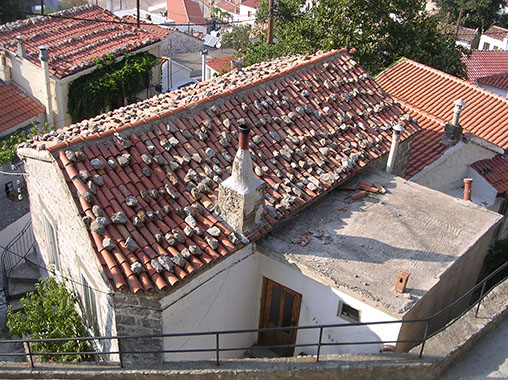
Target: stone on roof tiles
<point>130,244</point>
<point>166,263</point>
<point>136,267</point>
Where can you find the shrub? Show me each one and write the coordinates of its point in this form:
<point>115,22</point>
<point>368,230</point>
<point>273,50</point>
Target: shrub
<point>50,312</point>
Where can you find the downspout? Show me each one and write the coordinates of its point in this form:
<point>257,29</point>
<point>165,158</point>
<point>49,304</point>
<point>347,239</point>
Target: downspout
<point>397,131</point>
<point>44,57</point>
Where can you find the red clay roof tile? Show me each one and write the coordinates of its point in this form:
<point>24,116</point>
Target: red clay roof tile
<point>74,44</point>
<point>290,151</point>
<point>428,94</point>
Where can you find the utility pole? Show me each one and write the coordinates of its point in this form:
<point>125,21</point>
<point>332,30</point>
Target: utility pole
<point>42,7</point>
<point>137,5</point>
<point>269,34</point>
<point>458,24</point>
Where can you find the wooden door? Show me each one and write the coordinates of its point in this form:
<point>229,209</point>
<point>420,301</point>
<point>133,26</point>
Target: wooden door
<point>280,307</point>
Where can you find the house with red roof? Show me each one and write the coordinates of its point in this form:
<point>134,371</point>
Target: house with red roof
<point>251,200</point>
<point>494,38</point>
<point>488,69</point>
<point>219,65</point>
<point>432,98</point>
<point>73,40</point>
<point>187,15</point>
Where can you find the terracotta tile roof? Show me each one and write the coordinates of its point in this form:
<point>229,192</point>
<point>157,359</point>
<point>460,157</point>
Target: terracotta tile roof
<point>251,3</point>
<point>495,171</point>
<point>484,63</point>
<point>154,29</point>
<point>498,81</point>
<point>228,6</point>
<point>73,44</point>
<point>16,107</point>
<point>220,64</point>
<point>497,32</point>
<point>184,11</point>
<point>428,95</point>
<point>316,120</point>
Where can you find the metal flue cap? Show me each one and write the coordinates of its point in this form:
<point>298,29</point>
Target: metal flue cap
<point>398,128</point>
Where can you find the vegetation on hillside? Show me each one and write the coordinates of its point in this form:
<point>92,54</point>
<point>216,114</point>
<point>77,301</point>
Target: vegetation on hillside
<point>381,31</point>
<point>475,13</point>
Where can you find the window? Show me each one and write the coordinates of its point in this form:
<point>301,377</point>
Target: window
<point>52,242</point>
<point>347,312</point>
<point>89,304</point>
<point>486,46</point>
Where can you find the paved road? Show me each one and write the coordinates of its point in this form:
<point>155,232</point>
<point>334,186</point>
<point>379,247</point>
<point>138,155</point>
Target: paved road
<point>487,360</point>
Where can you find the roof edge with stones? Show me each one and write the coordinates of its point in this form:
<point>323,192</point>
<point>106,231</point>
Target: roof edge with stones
<point>146,122</point>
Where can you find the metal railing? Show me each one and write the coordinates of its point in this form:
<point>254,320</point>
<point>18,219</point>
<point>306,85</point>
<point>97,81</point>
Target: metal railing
<point>319,344</point>
<point>21,246</point>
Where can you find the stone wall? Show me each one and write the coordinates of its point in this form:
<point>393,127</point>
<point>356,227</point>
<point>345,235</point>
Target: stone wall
<point>139,314</point>
<point>179,42</point>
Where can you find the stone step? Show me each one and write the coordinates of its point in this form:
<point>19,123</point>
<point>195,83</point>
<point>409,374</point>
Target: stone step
<point>18,289</point>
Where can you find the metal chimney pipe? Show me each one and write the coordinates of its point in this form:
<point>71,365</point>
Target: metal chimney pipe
<point>21,46</point>
<point>468,184</point>
<point>397,131</point>
<point>44,57</point>
<point>459,103</point>
<point>204,52</point>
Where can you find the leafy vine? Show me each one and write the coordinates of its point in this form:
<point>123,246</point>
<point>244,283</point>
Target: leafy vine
<point>110,85</point>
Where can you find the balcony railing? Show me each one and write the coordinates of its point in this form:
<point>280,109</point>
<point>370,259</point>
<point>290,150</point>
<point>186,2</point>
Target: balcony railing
<point>319,344</point>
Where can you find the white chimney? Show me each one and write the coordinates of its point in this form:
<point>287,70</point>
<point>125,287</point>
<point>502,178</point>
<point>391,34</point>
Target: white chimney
<point>204,52</point>
<point>453,131</point>
<point>44,57</point>
<point>21,46</point>
<point>111,7</point>
<point>397,131</point>
<point>241,196</point>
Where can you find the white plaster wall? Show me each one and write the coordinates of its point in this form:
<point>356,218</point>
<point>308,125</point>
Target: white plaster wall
<point>482,192</point>
<point>49,194</point>
<point>244,11</point>
<point>449,171</point>
<point>493,42</point>
<point>320,305</point>
<point>180,76</point>
<point>226,297</point>
<point>493,89</point>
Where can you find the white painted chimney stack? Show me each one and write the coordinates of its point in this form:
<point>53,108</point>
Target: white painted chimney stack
<point>5,70</point>
<point>204,52</point>
<point>21,46</point>
<point>44,58</point>
<point>397,131</point>
<point>241,196</point>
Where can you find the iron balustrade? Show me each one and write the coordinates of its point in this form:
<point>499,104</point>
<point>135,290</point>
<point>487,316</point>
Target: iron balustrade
<point>217,349</point>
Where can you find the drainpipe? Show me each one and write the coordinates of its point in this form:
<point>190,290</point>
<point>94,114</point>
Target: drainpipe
<point>468,184</point>
<point>397,130</point>
<point>204,52</point>
<point>44,57</point>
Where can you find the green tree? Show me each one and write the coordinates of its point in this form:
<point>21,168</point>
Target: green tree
<point>382,31</point>
<point>50,312</point>
<point>238,37</point>
<point>8,145</point>
<point>475,13</point>
<point>12,10</point>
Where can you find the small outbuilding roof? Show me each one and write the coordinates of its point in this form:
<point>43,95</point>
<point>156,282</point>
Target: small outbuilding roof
<point>360,246</point>
<point>495,171</point>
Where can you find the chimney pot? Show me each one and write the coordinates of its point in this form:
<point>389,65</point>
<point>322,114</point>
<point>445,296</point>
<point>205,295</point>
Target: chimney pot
<point>43,53</point>
<point>459,103</point>
<point>397,131</point>
<point>244,137</point>
<point>468,184</point>
<point>453,131</point>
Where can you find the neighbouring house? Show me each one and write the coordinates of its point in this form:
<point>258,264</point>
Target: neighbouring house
<point>196,62</point>
<point>488,69</point>
<point>187,16</point>
<point>494,38</point>
<point>240,12</point>
<point>219,65</point>
<point>248,10</point>
<point>174,74</point>
<point>467,37</point>
<point>173,41</point>
<point>172,214</point>
<point>71,50</point>
<point>442,153</point>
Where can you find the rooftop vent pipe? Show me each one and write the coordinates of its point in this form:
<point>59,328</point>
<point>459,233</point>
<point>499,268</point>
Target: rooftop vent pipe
<point>204,52</point>
<point>21,46</point>
<point>397,131</point>
<point>453,131</point>
<point>5,70</point>
<point>468,184</point>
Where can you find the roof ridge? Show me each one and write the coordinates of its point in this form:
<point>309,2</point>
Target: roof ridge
<point>312,60</point>
<point>457,80</point>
